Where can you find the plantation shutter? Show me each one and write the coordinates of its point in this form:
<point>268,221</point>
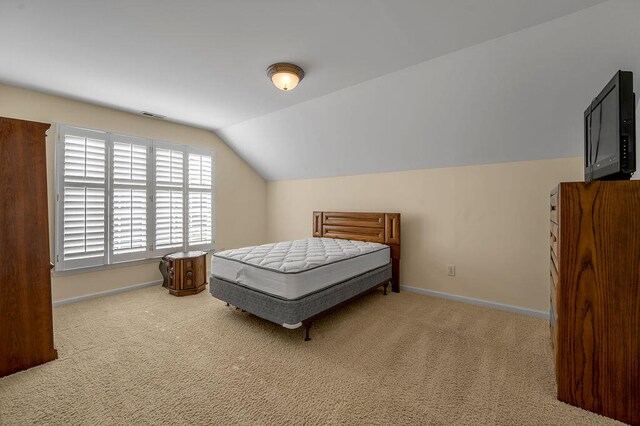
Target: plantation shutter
<point>82,195</point>
<point>169,199</point>
<point>122,198</point>
<point>200,200</point>
<point>129,206</point>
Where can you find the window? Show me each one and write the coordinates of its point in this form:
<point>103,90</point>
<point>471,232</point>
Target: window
<point>170,205</point>
<point>199,199</point>
<point>129,197</point>
<point>82,198</point>
<point>123,198</point>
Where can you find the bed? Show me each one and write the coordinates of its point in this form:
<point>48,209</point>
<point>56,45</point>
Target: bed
<point>291,283</point>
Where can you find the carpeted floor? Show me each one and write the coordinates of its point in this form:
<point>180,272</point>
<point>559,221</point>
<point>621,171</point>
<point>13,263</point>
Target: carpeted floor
<point>146,357</point>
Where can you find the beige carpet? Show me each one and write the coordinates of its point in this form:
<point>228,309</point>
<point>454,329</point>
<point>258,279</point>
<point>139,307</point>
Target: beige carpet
<point>146,357</point>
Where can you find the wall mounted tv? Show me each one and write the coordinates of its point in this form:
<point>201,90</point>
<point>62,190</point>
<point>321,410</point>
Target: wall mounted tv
<point>610,131</point>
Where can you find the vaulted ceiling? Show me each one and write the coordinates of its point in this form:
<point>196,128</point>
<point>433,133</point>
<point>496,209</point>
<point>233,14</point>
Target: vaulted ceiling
<point>203,62</point>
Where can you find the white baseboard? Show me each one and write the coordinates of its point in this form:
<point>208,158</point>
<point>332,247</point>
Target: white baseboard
<point>433,293</point>
<point>105,293</point>
<point>486,303</point>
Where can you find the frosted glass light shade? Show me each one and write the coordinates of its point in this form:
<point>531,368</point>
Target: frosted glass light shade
<point>285,76</point>
<point>285,80</point>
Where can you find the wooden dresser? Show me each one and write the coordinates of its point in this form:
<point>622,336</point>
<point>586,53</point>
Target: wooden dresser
<point>595,296</point>
<point>26,328</point>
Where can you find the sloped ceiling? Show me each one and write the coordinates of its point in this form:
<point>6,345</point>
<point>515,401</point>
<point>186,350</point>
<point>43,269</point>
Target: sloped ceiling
<point>518,97</point>
<point>203,63</point>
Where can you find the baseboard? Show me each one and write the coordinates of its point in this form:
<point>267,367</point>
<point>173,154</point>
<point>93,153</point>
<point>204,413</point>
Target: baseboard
<point>105,293</point>
<point>480,302</point>
<point>486,303</point>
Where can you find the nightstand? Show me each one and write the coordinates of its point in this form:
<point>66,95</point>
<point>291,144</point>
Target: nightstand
<point>184,273</point>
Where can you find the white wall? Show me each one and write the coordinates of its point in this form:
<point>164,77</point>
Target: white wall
<point>517,97</point>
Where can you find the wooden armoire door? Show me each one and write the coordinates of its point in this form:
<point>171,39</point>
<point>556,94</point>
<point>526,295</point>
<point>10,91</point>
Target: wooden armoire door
<point>26,325</point>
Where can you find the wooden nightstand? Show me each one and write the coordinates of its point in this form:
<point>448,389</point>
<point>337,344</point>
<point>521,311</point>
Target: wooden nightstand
<point>184,273</point>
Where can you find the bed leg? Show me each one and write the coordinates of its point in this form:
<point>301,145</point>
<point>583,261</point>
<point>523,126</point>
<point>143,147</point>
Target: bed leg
<point>385,288</point>
<point>307,327</point>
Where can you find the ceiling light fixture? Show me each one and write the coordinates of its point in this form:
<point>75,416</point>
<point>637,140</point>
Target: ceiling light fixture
<point>285,76</point>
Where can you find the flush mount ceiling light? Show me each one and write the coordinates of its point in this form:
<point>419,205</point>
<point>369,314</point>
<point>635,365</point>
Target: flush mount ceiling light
<point>285,76</point>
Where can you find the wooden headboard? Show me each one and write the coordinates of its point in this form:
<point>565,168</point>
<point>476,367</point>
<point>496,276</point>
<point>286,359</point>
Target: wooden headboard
<point>373,227</point>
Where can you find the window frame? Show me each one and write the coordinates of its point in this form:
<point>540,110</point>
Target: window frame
<point>110,260</point>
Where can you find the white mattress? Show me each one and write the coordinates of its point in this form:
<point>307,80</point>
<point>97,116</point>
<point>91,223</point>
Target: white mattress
<point>293,269</point>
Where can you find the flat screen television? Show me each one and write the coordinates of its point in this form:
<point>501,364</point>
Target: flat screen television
<point>610,131</point>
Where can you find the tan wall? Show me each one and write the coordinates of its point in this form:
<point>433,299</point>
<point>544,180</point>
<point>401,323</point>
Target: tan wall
<point>240,192</point>
<point>491,221</point>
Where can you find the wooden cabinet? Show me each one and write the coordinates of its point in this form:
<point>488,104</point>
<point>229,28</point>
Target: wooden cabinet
<point>26,328</point>
<point>184,273</point>
<point>595,296</point>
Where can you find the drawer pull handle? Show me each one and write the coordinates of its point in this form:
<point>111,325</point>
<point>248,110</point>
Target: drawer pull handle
<point>189,274</point>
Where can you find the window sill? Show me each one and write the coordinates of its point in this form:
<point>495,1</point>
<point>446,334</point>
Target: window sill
<point>118,265</point>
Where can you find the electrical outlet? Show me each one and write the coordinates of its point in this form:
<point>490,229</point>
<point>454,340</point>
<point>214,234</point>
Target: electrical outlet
<point>451,270</point>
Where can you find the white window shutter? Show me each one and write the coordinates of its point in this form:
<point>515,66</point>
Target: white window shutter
<point>200,197</point>
<point>200,229</point>
<point>129,198</point>
<point>122,198</point>
<point>200,169</point>
<point>169,219</point>
<point>169,199</point>
<point>129,161</point>
<point>169,168</point>
<point>84,223</point>
<point>129,221</point>
<point>82,189</point>
<point>84,158</point>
